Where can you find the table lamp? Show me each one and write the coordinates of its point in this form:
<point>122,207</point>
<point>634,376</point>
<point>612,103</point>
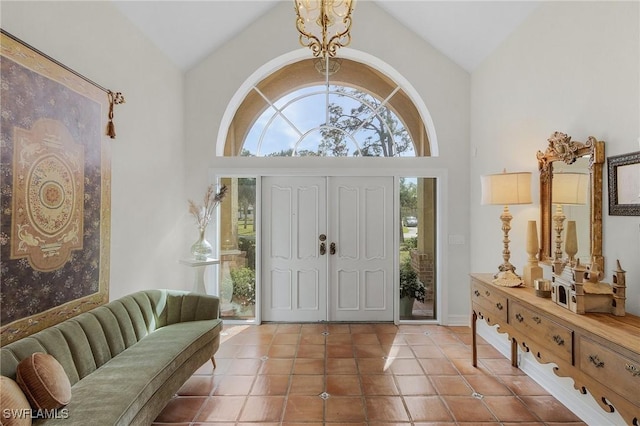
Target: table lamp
<point>506,189</point>
<point>567,189</point>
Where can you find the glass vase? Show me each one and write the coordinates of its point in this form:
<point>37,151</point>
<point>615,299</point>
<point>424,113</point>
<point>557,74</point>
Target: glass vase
<point>201,249</point>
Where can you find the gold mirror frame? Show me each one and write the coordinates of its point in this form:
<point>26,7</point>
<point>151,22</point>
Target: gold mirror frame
<point>562,148</point>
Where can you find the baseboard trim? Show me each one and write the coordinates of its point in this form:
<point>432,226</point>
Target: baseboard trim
<point>458,320</point>
<point>583,406</point>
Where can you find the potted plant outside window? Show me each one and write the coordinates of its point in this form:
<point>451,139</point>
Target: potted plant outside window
<point>411,289</point>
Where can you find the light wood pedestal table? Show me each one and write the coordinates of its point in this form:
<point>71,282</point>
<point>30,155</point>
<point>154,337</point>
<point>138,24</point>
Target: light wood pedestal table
<point>600,352</point>
<point>198,270</point>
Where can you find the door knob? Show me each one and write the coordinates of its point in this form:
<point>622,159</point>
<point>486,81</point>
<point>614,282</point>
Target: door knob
<point>323,249</point>
<point>332,248</point>
<point>322,237</point>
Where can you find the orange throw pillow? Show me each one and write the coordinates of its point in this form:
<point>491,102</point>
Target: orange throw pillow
<point>16,410</point>
<point>43,381</point>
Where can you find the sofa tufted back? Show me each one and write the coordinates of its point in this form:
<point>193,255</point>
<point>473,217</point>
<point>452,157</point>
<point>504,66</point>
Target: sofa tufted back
<point>85,342</point>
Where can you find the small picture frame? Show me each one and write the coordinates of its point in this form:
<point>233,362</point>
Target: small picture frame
<point>624,184</point>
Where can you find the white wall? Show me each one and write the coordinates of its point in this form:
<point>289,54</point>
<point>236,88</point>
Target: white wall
<point>443,85</point>
<point>148,202</point>
<point>571,67</point>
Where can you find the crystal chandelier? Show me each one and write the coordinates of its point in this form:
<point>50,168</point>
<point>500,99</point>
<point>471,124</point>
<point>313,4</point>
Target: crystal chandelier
<point>324,25</point>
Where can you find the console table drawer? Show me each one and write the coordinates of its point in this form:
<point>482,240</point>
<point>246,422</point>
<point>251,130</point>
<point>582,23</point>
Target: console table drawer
<point>611,369</point>
<point>551,335</point>
<point>489,300</point>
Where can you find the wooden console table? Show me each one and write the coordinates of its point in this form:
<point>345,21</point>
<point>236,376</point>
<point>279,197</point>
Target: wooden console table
<point>600,352</point>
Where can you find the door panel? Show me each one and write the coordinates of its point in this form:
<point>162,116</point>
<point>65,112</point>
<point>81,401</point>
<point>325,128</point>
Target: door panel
<point>361,215</point>
<point>356,215</point>
<point>294,271</point>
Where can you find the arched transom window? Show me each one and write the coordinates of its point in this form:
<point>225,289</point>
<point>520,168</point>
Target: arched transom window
<point>298,111</point>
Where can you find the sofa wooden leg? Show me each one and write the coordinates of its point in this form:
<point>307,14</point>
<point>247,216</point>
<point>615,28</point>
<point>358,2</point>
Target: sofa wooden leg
<point>213,361</point>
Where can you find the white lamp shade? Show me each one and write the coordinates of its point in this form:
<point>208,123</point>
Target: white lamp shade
<point>506,188</point>
<point>569,188</point>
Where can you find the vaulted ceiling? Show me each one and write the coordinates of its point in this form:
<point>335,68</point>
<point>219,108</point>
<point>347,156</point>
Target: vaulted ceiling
<point>465,31</point>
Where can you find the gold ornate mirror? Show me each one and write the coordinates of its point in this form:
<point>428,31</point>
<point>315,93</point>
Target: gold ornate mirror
<point>564,156</point>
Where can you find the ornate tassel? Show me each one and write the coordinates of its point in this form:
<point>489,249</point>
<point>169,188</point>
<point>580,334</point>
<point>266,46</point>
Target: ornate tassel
<point>116,98</point>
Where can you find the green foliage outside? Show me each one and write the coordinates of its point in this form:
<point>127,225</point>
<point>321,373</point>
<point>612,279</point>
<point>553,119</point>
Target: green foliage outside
<point>244,286</point>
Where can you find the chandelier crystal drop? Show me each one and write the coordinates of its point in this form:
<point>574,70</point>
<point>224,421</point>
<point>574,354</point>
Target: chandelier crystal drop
<point>324,25</point>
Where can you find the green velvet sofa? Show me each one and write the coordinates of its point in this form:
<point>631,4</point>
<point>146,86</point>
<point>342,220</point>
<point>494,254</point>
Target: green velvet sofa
<point>126,359</point>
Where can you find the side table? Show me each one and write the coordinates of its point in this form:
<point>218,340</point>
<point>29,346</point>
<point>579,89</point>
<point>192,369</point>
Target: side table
<point>198,269</point>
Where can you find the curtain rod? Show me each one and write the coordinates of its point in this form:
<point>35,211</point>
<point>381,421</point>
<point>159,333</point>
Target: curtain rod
<point>115,98</point>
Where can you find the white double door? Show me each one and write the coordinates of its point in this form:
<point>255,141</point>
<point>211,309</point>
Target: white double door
<point>327,249</point>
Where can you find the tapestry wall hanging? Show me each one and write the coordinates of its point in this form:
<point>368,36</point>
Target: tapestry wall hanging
<point>55,217</point>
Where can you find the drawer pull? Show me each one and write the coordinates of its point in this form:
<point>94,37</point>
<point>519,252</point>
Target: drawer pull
<point>596,361</point>
<point>537,320</point>
<point>519,317</point>
<point>486,292</point>
<point>635,371</point>
<point>559,340</point>
<point>499,305</point>
<point>476,292</point>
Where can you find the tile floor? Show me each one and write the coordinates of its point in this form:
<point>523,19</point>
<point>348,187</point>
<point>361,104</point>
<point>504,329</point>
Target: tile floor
<point>313,374</point>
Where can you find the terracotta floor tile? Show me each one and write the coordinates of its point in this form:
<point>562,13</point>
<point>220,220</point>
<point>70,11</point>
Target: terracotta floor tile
<point>374,366</point>
<point>344,409</point>
<point>427,409</point>
<point>392,339</point>
<point>468,409</point>
<point>312,339</point>
<point>301,408</point>
<point>378,384</point>
<point>338,329</point>
<point>221,409</point>
<point>277,366</point>
<point>263,409</point>
<point>341,366</point>
<point>282,351</point>
<point>451,385</point>
<point>438,366</point>
<point>339,339</point>
<point>415,385</point>
<point>343,385</point>
<point>501,367</point>
<point>456,351</point>
<point>271,385</point>
<point>549,409</point>
<point>362,328</point>
<point>306,385</point>
<point>406,366</point>
<point>340,351</point>
<point>311,351</point>
<point>397,351</point>
<point>199,385</point>
<point>286,339</point>
<point>369,351</point>
<point>181,409</point>
<point>487,385</point>
<point>308,366</point>
<point>509,409</point>
<point>523,385</point>
<point>374,375</point>
<point>252,351</point>
<point>244,366</point>
<point>365,339</point>
<point>427,351</point>
<point>234,385</point>
<point>386,408</point>
<point>465,367</point>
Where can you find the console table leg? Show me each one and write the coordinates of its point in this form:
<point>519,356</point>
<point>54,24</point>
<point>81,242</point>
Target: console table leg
<point>514,353</point>
<point>474,348</point>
